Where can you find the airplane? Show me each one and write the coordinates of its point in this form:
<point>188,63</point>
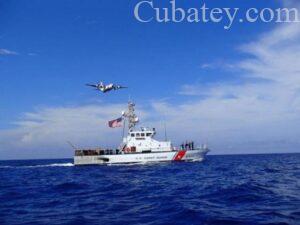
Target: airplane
<point>106,88</point>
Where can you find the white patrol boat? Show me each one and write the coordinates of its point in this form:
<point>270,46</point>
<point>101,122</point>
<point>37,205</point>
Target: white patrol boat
<point>140,147</point>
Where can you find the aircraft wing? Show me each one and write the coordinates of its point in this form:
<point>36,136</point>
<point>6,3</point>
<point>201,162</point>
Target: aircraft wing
<point>92,85</point>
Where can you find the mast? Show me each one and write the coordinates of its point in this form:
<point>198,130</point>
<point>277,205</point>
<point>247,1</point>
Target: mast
<point>131,116</point>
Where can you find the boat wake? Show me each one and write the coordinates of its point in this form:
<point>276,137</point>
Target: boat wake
<point>52,165</point>
<point>41,166</point>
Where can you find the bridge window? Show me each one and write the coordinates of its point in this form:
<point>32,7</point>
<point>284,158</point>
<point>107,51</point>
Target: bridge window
<point>143,134</point>
<point>148,134</point>
<point>132,135</point>
<point>137,134</point>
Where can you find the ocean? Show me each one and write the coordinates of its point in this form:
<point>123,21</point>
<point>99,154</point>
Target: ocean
<point>233,189</point>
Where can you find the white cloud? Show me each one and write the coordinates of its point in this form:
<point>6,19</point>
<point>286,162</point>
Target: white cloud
<point>207,66</point>
<point>45,132</point>
<point>263,113</point>
<point>32,54</point>
<point>7,52</point>
<point>218,64</point>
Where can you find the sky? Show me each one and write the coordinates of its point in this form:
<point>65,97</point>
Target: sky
<point>237,90</point>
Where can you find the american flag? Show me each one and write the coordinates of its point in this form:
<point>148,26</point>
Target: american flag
<point>115,123</point>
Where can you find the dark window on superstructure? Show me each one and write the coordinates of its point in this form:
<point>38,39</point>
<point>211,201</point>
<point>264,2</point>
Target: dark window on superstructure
<point>132,135</point>
<point>148,134</point>
<point>137,134</point>
<point>143,134</point>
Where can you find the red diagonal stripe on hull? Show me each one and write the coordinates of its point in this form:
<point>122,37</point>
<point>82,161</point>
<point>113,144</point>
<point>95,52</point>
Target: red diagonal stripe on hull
<point>179,155</point>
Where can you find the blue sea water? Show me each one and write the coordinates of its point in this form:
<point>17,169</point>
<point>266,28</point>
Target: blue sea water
<point>240,189</point>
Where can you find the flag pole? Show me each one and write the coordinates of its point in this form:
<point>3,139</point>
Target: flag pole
<point>124,124</point>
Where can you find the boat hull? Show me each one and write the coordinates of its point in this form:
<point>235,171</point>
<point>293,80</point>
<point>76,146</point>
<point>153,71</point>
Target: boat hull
<point>182,155</point>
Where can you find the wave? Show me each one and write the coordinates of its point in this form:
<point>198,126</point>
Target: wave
<point>3,167</point>
<point>223,190</point>
<point>40,166</point>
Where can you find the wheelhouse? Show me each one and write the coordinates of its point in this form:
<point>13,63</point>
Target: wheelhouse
<point>142,134</point>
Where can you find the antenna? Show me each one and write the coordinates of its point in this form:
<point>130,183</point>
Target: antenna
<point>166,137</point>
<point>72,145</point>
<point>165,127</point>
